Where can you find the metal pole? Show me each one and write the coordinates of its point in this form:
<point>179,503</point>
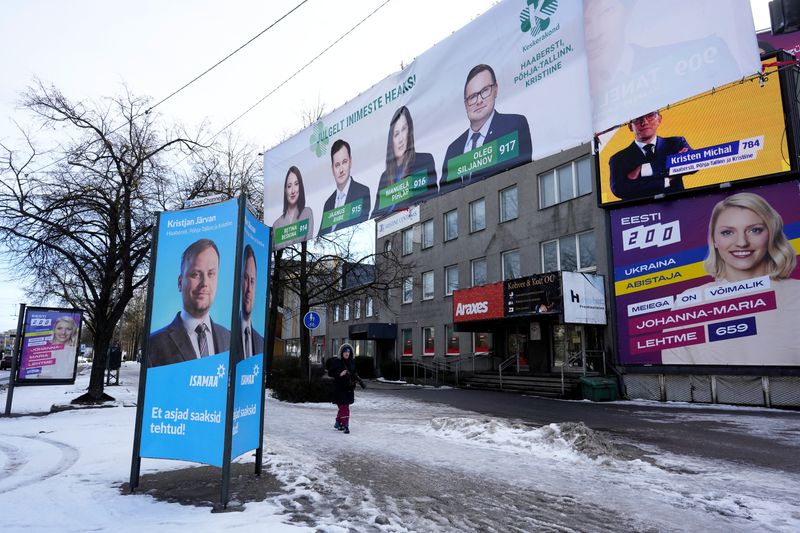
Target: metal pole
<point>12,375</point>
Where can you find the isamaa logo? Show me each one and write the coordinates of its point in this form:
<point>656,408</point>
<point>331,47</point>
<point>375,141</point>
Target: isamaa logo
<point>536,17</point>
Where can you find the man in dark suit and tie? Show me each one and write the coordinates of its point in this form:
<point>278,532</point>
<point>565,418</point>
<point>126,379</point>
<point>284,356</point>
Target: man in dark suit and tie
<point>350,195</point>
<point>640,169</point>
<point>192,334</point>
<point>250,341</point>
<point>485,125</point>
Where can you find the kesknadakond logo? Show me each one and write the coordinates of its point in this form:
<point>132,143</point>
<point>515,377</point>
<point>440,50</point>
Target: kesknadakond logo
<point>540,11</point>
<point>318,140</point>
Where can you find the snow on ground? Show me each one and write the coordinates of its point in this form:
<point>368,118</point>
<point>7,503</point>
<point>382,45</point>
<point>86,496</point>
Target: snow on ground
<point>406,466</point>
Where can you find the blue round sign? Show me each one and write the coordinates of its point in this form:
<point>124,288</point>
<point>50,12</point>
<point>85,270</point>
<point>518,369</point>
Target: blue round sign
<point>311,320</point>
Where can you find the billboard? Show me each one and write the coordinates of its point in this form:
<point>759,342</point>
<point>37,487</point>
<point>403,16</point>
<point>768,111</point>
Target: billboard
<point>50,345</point>
<point>207,317</point>
<point>533,295</point>
<point>478,303</point>
<point>736,133</point>
<point>461,112</point>
<point>711,280</point>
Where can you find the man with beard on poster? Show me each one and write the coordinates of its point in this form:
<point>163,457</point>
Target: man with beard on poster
<point>192,334</point>
<point>250,341</point>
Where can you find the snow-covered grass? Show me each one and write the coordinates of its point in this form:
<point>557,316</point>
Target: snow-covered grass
<point>406,466</point>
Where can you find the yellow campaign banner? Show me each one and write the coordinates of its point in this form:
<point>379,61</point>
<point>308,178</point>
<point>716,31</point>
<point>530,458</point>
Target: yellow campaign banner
<point>732,133</point>
<point>660,279</point>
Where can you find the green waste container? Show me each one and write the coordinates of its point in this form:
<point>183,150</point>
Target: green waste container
<point>598,389</point>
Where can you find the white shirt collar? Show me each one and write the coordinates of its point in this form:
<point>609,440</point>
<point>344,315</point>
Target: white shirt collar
<point>484,131</point>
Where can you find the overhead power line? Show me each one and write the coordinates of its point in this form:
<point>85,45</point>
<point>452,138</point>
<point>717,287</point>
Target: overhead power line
<point>218,63</point>
<point>287,80</point>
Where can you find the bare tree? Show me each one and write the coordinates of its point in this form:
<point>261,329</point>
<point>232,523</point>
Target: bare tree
<point>79,228</point>
<point>229,166</point>
<point>331,270</point>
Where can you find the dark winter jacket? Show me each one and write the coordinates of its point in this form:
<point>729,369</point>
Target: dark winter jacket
<point>343,386</point>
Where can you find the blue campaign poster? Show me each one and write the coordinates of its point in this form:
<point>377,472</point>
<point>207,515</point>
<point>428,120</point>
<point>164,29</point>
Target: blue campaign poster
<point>190,338</point>
<point>184,410</point>
<point>248,388</point>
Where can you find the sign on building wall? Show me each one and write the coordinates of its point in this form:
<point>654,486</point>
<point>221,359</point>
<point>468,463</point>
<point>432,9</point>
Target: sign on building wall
<point>478,303</point>
<point>396,222</point>
<point>710,280</point>
<point>533,295</point>
<point>724,136</point>
<point>511,86</point>
<point>584,297</point>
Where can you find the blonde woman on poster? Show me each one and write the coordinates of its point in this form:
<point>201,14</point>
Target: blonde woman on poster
<point>65,347</point>
<point>748,253</point>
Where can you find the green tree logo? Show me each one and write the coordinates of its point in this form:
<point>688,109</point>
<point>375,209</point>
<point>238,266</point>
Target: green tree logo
<point>318,140</point>
<point>541,12</point>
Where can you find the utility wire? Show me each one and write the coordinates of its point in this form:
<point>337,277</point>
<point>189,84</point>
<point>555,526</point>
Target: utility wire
<point>287,80</point>
<point>218,63</point>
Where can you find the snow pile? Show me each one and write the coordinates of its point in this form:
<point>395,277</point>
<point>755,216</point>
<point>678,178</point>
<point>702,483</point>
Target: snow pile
<point>568,441</point>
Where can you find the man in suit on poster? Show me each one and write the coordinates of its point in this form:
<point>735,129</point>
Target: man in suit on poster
<point>485,125</point>
<point>250,341</point>
<point>192,334</point>
<point>640,170</point>
<point>347,189</point>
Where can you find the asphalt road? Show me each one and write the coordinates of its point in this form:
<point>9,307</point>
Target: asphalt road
<point>768,438</point>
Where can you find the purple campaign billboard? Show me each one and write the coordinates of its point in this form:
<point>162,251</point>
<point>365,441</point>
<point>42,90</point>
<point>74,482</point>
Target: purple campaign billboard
<point>51,339</point>
<point>710,280</point>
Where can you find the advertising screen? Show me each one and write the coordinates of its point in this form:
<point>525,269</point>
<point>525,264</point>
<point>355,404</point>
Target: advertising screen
<point>51,339</point>
<point>710,280</point>
<point>735,133</point>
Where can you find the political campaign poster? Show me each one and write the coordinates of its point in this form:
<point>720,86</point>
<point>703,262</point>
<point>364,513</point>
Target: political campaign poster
<point>249,384</point>
<point>644,55</point>
<point>584,296</point>
<point>189,345</point>
<point>508,87</point>
<point>50,344</point>
<point>733,134</point>
<point>709,280</point>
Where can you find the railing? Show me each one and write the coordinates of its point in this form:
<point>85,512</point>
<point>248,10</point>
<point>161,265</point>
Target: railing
<point>439,369</point>
<point>581,361</point>
<point>507,363</point>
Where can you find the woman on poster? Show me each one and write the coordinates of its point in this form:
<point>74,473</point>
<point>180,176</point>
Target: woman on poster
<point>294,206</point>
<point>748,253</point>
<point>402,161</point>
<point>64,344</point>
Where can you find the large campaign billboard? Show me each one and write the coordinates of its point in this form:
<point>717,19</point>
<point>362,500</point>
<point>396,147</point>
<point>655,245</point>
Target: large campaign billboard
<point>710,280</point>
<point>722,136</point>
<point>511,86</point>
<point>459,113</point>
<point>50,344</point>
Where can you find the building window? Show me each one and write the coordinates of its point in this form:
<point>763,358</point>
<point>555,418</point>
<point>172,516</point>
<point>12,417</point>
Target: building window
<point>453,347</point>
<point>408,290</point>
<point>347,311</point>
<point>508,204</point>
<point>450,279</point>
<point>408,345</point>
<point>565,182</point>
<point>477,215</point>
<point>451,225</point>
<point>511,265</point>
<point>357,309</point>
<point>481,343</point>
<point>428,347</point>
<point>369,306</point>
<point>427,234</point>
<point>571,252</point>
<point>408,241</point>
<point>478,267</point>
<point>387,245</point>
<point>427,285</point>
<point>336,313</point>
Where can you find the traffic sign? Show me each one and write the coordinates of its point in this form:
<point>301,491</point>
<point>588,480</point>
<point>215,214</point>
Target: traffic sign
<point>311,320</point>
